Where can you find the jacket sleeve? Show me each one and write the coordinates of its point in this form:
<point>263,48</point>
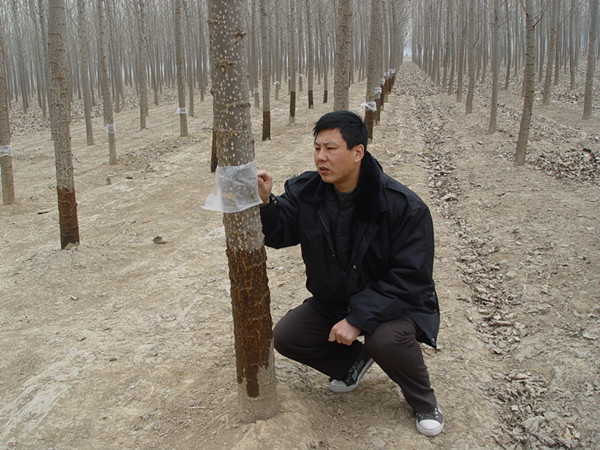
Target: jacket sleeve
<point>408,285</point>
<point>280,220</point>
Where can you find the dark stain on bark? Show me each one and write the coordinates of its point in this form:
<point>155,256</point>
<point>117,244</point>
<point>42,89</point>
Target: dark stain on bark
<point>67,217</point>
<point>250,299</point>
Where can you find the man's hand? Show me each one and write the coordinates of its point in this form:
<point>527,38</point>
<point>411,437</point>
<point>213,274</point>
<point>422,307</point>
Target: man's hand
<point>265,185</point>
<point>344,333</point>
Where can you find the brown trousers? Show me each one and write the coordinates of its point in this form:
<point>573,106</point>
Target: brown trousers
<point>302,335</point>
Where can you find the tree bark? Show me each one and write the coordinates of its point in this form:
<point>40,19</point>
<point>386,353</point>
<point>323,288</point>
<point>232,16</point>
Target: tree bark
<point>266,71</point>
<point>8,189</point>
<point>65,186</point>
<point>142,60</point>
<point>245,246</point>
<point>495,67</point>
<point>84,65</point>
<point>591,63</point>
<point>551,54</point>
<point>106,93</point>
<point>528,84</point>
<point>343,49</point>
<point>472,59</point>
<point>373,76</point>
<point>183,129</point>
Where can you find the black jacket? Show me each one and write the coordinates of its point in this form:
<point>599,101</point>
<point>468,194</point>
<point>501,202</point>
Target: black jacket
<point>382,270</point>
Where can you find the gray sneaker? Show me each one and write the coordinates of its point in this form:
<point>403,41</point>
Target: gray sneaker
<point>356,372</point>
<point>432,423</point>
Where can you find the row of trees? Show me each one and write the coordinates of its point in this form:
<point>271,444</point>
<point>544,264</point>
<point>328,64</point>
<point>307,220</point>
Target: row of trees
<point>458,43</point>
<point>54,50</point>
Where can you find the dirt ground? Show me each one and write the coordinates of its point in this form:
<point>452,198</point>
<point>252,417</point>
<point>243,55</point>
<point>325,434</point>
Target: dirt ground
<point>124,343</point>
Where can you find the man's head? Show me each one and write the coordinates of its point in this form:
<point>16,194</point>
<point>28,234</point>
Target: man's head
<point>351,126</point>
<point>340,145</point>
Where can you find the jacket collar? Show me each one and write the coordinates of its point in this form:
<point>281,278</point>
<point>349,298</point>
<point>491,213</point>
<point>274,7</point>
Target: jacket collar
<point>367,191</point>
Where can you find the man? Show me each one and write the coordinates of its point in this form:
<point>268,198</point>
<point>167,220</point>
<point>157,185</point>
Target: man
<point>367,244</point>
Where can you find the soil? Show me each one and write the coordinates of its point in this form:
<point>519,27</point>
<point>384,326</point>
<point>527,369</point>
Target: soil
<point>126,340</point>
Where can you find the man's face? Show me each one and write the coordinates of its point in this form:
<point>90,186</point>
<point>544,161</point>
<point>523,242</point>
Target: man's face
<point>336,163</point>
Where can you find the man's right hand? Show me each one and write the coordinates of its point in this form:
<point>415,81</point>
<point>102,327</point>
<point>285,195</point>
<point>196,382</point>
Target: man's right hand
<point>265,185</point>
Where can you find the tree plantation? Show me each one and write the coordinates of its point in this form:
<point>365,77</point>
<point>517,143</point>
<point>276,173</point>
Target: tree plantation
<point>133,314</point>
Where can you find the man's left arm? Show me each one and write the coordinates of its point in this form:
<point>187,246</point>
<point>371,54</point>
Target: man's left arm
<point>409,283</point>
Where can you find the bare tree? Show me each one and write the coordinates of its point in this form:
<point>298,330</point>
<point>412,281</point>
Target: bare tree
<point>106,93</point>
<point>84,64</point>
<point>266,71</point>
<point>140,6</point>
<point>373,75</point>
<point>528,84</point>
<point>591,62</point>
<point>61,111</point>
<point>246,254</point>
<point>8,189</point>
<point>292,61</point>
<point>310,57</point>
<point>495,67</point>
<point>343,55</point>
<point>472,57</point>
<point>551,53</point>
<point>181,110</point>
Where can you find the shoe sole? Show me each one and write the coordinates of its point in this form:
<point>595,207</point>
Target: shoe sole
<point>343,388</point>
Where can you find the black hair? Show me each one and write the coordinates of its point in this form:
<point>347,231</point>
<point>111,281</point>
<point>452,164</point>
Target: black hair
<point>351,126</point>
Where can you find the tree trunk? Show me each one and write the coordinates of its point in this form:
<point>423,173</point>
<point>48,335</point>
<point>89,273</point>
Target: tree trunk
<point>472,60</point>
<point>292,61</point>
<point>245,248</point>
<point>495,67</point>
<point>106,93</point>
<point>373,91</point>
<point>8,189</point>
<point>266,71</point>
<point>85,77</point>
<point>551,53</point>
<point>183,129</point>
<point>143,61</point>
<point>591,63</point>
<point>343,49</point>
<point>310,63</point>
<point>528,85</point>
<point>65,186</point>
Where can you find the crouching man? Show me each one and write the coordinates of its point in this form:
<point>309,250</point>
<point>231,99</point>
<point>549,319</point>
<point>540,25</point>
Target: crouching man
<point>367,244</point>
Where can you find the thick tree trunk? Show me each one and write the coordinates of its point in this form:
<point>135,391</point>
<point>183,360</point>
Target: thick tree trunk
<point>245,248</point>
<point>528,85</point>
<point>65,186</point>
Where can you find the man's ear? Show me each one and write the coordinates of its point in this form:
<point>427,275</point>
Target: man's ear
<point>360,152</point>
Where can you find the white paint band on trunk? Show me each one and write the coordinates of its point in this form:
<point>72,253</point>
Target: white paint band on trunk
<point>182,110</point>
<point>236,189</point>
<point>110,128</point>
<point>5,150</point>
<point>371,105</point>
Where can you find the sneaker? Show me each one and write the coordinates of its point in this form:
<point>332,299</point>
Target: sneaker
<point>432,423</point>
<point>356,372</point>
